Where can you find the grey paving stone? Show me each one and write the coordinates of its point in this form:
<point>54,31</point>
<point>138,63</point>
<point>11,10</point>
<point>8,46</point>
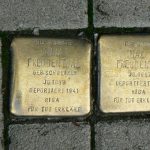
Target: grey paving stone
<point>123,135</point>
<point>42,14</point>
<point>1,105</point>
<point>52,136</point>
<point>121,13</point>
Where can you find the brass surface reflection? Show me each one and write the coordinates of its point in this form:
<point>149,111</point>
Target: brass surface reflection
<point>51,77</point>
<point>125,73</point>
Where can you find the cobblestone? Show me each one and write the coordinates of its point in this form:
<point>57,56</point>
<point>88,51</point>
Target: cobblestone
<point>123,135</point>
<point>121,13</point>
<point>47,14</point>
<point>58,136</point>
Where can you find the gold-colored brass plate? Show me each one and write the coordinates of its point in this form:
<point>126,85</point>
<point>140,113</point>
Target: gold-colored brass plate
<point>51,77</point>
<point>125,73</point>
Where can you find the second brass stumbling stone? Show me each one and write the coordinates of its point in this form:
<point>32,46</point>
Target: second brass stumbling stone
<point>125,73</point>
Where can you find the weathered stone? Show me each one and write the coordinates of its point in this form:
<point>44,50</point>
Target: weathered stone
<point>1,105</point>
<point>47,14</point>
<point>52,136</point>
<point>121,13</point>
<point>123,135</point>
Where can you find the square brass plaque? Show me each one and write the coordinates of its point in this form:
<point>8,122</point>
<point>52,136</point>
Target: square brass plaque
<point>125,73</point>
<point>51,77</point>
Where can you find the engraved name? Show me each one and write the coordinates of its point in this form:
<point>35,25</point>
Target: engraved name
<point>59,62</point>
